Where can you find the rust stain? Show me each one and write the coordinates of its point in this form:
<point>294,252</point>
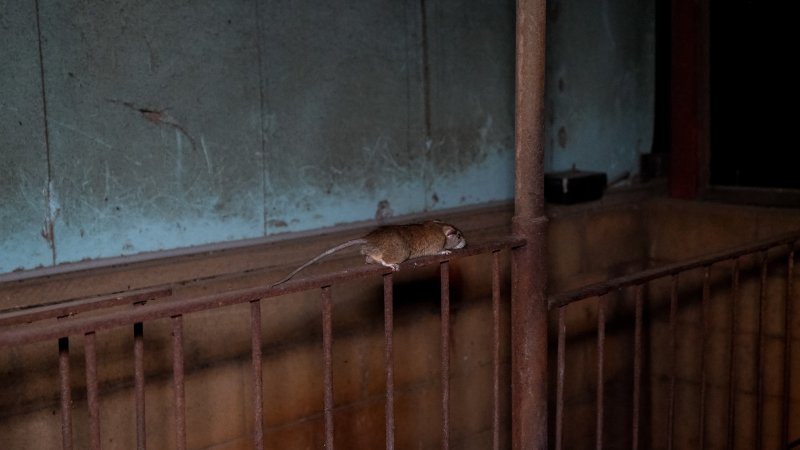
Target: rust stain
<point>277,223</point>
<point>48,231</point>
<point>158,117</point>
<point>384,211</point>
<point>562,137</point>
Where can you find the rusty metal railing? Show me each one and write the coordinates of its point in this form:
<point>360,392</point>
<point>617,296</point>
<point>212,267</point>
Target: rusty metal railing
<point>87,317</point>
<point>785,244</point>
<point>528,301</point>
<point>34,317</point>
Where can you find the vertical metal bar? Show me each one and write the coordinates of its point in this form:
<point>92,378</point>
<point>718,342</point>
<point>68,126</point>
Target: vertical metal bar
<point>703,340</point>
<point>529,343</point>
<point>787,347</point>
<point>92,397</point>
<point>138,382</point>
<point>388,346</point>
<point>496,350</point>
<point>179,395</point>
<point>732,355</point>
<point>637,366</point>
<point>561,355</point>
<point>673,323</point>
<point>528,295</point>
<point>258,391</point>
<point>760,354</point>
<point>444,276</point>
<point>66,393</point>
<point>601,357</point>
<point>327,345</point>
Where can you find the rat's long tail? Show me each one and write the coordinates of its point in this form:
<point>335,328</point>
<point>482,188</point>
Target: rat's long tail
<point>341,246</point>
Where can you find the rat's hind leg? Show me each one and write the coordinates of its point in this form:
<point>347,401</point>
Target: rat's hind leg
<point>377,260</point>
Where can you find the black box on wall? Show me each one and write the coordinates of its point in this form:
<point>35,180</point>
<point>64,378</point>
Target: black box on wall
<point>574,186</point>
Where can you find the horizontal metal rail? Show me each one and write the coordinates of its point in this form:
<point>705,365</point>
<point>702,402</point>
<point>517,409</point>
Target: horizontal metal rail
<point>72,307</point>
<point>637,282</point>
<point>604,287</point>
<point>24,334</point>
<point>63,322</point>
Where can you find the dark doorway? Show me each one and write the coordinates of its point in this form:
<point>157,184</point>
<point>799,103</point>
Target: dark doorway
<point>752,104</point>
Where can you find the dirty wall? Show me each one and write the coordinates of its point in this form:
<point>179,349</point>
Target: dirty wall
<point>133,127</point>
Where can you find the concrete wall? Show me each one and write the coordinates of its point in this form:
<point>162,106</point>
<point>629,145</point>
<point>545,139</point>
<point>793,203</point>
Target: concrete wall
<point>670,231</point>
<point>587,243</point>
<point>680,230</point>
<point>601,84</point>
<point>218,367</point>
<point>170,124</point>
<point>128,128</point>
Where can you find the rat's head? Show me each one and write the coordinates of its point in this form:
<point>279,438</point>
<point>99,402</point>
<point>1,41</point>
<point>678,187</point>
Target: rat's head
<point>453,238</point>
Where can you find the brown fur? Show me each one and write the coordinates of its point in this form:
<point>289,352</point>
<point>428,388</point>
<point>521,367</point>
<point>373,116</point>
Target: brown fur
<point>393,244</point>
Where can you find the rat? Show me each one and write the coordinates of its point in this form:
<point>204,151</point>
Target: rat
<point>391,245</point>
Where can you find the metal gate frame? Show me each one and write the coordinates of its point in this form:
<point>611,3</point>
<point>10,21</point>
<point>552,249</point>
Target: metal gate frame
<point>528,300</point>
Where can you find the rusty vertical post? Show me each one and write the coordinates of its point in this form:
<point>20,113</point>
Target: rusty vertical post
<point>327,359</point>
<point>732,356</point>
<point>92,393</point>
<point>528,300</point>
<point>637,368</point>
<point>258,380</point>
<point>178,383</point>
<point>388,346</point>
<point>601,359</point>
<point>138,383</point>
<point>704,337</point>
<point>759,358</point>
<point>496,350</point>
<point>787,346</point>
<point>444,275</point>
<point>673,345</point>
<point>561,358</point>
<point>66,393</point>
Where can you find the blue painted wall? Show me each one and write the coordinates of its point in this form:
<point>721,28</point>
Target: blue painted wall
<point>129,127</point>
<point>601,84</point>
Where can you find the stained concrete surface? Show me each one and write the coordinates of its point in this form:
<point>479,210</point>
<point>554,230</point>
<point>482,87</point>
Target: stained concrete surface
<point>601,84</point>
<point>173,124</point>
<point>23,156</point>
<point>153,126</point>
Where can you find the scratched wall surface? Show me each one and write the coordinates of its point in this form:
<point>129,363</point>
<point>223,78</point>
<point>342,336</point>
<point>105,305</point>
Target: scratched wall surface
<point>471,102</point>
<point>154,128</point>
<point>601,84</point>
<point>130,127</point>
<point>341,94</point>
<point>23,157</point>
<point>410,109</point>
